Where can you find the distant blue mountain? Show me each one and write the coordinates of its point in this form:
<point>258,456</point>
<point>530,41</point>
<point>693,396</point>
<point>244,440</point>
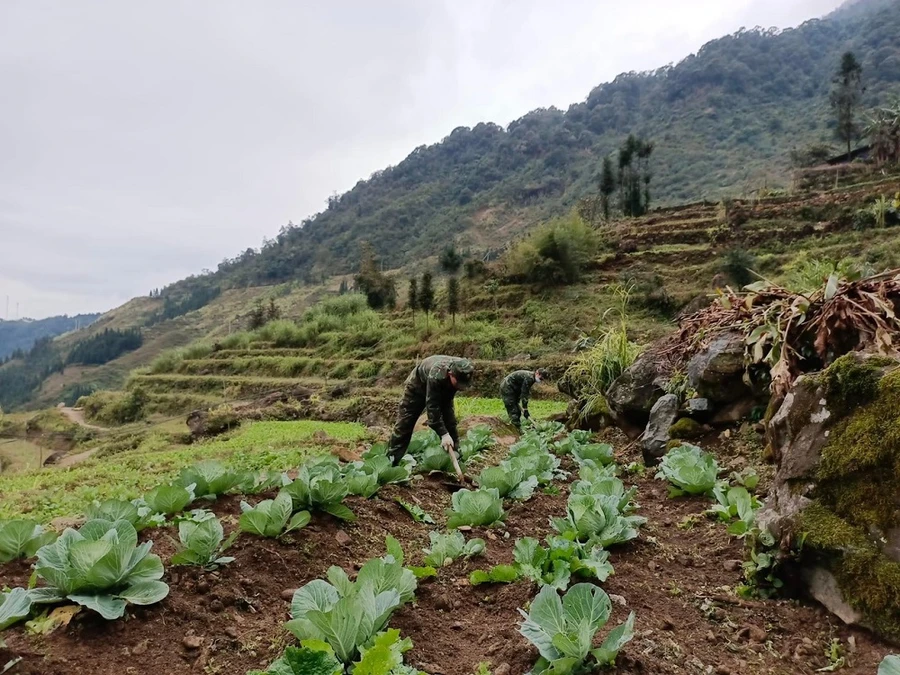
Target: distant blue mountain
<point>22,334</point>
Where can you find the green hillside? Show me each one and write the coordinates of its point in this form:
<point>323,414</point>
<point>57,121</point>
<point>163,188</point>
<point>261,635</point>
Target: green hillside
<point>723,122</point>
<point>349,361</point>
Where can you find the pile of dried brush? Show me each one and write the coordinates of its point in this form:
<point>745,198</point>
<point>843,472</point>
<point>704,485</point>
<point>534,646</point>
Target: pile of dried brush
<point>793,333</point>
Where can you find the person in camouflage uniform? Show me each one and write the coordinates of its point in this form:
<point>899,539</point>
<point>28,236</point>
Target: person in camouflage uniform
<point>516,387</point>
<point>430,388</point>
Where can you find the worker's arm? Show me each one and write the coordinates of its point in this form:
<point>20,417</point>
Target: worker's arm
<point>434,394</point>
<point>526,393</point>
<point>448,414</point>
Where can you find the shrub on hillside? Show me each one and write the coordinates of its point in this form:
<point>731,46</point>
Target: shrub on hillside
<point>738,265</point>
<point>114,408</point>
<point>556,253</point>
<point>646,289</point>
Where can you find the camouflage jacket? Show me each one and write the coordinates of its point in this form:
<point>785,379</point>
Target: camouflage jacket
<point>431,379</point>
<point>517,386</point>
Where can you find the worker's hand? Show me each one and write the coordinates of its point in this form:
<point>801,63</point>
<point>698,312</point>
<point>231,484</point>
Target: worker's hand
<point>447,443</point>
<point>526,414</point>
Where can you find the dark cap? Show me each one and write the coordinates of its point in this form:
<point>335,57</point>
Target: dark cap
<point>463,370</point>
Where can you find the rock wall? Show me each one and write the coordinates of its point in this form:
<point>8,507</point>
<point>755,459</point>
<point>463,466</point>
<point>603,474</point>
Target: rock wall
<point>834,503</point>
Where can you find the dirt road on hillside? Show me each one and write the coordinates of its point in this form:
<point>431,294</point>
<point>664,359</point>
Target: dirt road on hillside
<point>77,416</point>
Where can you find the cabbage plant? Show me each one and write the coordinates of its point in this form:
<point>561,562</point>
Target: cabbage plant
<point>137,512</point>
<point>735,503</point>
<point>15,605</point>
<point>511,479</point>
<point>553,565</point>
<point>597,519</point>
<point>272,517</point>
<point>209,478</point>
<point>320,486</point>
<point>312,657</point>
<point>563,630</point>
<point>201,543</point>
<point>475,507</point>
<point>22,539</point>
<point>601,453</point>
<point>689,470</point>
<point>476,440</point>
<point>168,499</point>
<point>447,547</point>
<point>348,614</point>
<point>101,567</point>
<point>366,476</point>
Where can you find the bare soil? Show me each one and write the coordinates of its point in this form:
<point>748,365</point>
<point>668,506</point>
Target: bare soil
<point>678,578</point>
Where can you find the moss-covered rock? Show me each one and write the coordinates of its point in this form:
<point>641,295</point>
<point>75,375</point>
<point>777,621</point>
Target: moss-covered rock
<point>835,494</point>
<point>687,428</point>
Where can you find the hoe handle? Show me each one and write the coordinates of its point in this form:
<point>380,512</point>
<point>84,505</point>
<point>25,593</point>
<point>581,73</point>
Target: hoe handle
<point>459,473</point>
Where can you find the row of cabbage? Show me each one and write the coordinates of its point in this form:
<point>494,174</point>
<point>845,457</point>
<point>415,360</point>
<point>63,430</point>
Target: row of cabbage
<point>599,514</point>
<point>562,627</point>
<point>102,567</point>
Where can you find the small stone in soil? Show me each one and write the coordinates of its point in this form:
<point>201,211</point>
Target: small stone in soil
<point>652,565</point>
<point>711,637</point>
<point>723,670</point>
<point>216,606</point>
<point>288,594</point>
<point>502,669</point>
<point>457,626</point>
<point>732,565</point>
<point>757,634</point>
<point>140,648</point>
<point>192,642</point>
<point>667,624</point>
<point>202,586</point>
<point>618,599</point>
<point>232,632</point>
<point>464,528</point>
<point>342,538</point>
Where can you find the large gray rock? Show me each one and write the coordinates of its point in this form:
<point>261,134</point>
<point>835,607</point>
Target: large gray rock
<point>632,395</point>
<point>717,373</point>
<point>833,504</point>
<point>656,435</point>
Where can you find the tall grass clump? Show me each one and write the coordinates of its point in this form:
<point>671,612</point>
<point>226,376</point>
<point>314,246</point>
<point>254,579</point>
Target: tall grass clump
<point>591,374</point>
<point>809,274</point>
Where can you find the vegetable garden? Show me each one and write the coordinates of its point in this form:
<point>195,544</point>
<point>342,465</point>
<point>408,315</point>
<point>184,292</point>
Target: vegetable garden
<point>563,557</point>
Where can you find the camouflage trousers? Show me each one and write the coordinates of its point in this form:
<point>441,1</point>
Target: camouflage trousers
<point>411,408</point>
<point>511,402</point>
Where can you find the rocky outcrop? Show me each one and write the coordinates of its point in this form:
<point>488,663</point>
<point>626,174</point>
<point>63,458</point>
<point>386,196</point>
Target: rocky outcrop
<point>656,435</point>
<point>633,394</point>
<point>717,373</point>
<point>836,441</point>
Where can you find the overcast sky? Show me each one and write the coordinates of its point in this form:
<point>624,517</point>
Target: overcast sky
<point>144,141</point>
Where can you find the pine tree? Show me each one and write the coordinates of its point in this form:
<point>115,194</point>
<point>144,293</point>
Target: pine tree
<point>451,261</point>
<point>607,186</point>
<point>412,299</point>
<point>845,98</point>
<point>453,297</point>
<point>426,295</point>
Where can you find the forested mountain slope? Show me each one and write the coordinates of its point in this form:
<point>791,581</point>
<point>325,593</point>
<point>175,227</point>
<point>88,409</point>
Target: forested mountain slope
<point>22,334</point>
<point>723,122</point>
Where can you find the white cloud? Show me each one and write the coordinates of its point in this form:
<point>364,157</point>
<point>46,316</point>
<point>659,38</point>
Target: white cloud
<point>145,142</point>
